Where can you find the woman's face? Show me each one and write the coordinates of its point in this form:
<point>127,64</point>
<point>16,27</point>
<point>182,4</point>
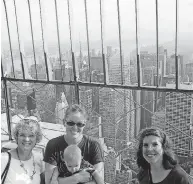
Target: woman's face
<point>152,149</point>
<point>75,123</point>
<point>26,139</point>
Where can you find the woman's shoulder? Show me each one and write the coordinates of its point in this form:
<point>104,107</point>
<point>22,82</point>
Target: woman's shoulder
<point>91,139</point>
<point>178,172</point>
<point>38,155</point>
<point>142,174</point>
<point>56,140</point>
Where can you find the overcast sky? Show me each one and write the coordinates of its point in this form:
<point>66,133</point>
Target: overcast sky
<point>147,21</point>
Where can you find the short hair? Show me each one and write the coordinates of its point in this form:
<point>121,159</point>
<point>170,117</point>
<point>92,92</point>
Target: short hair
<point>72,152</point>
<point>28,123</point>
<point>169,160</point>
<point>74,109</point>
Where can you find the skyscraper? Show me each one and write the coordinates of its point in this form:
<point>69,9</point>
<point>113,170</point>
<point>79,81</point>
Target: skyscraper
<point>179,114</point>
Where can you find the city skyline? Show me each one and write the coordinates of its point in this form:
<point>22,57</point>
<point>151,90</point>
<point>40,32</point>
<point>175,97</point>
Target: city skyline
<point>116,115</point>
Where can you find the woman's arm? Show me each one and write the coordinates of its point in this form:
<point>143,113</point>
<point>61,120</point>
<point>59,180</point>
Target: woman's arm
<point>49,172</point>
<point>99,175</point>
<point>81,177</point>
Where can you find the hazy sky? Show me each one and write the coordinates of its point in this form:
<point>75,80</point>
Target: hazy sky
<point>147,21</point>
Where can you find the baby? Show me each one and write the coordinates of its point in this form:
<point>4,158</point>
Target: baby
<point>75,163</point>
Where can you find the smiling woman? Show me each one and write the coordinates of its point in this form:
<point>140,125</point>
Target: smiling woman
<point>75,120</point>
<point>25,166</point>
<point>156,159</point>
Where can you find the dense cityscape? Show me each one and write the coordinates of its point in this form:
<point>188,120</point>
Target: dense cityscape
<point>117,115</point>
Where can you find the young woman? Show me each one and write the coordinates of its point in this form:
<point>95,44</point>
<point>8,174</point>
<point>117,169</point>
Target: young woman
<point>74,121</point>
<point>25,166</point>
<point>156,160</point>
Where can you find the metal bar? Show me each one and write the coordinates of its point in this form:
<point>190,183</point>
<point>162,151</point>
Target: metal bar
<point>2,73</point>
<point>120,41</point>
<point>102,43</point>
<point>7,109</point>
<point>104,69</point>
<point>72,53</point>
<point>157,42</point>
<point>75,79</point>
<point>87,34</point>
<point>58,36</point>
<point>176,45</point>
<point>10,46</point>
<point>32,38</point>
<point>70,29</point>
<point>137,46</point>
<point>21,57</point>
<point>147,88</point>
<point>138,71</point>
<point>45,55</point>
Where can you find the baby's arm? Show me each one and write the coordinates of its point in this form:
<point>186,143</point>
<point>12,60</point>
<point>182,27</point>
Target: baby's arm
<point>55,174</point>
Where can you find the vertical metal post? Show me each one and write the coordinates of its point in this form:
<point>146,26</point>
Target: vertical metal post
<point>102,44</point>
<point>120,41</point>
<point>137,47</point>
<point>21,56</point>
<point>87,34</point>
<point>73,59</point>
<point>157,54</point>
<point>58,36</point>
<point>157,43</point>
<point>10,46</point>
<point>7,108</point>
<point>104,69</point>
<point>45,55</point>
<point>69,21</point>
<point>32,38</point>
<point>176,46</point>
<point>75,79</point>
<point>2,72</point>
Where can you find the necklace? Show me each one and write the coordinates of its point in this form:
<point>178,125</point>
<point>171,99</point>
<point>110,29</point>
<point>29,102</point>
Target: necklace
<point>22,165</point>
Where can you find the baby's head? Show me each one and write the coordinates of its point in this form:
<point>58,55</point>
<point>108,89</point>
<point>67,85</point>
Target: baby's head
<point>72,158</point>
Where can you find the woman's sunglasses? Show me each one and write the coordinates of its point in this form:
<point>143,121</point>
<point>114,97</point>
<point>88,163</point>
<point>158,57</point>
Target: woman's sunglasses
<point>72,123</point>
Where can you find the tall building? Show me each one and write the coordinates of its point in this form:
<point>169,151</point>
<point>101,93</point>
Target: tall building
<point>179,114</point>
<point>123,177</point>
<point>115,108</point>
<point>60,109</point>
<point>158,119</point>
<point>189,71</point>
<point>86,99</point>
<point>96,63</point>
<point>110,166</point>
<point>143,114</point>
<point>66,73</point>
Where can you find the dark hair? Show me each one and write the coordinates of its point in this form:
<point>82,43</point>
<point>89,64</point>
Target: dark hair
<point>74,109</point>
<point>169,160</point>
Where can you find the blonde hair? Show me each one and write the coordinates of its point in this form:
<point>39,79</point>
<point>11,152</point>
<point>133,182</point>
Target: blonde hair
<point>28,123</point>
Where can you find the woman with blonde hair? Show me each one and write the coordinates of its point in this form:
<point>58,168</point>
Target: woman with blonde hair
<point>25,166</point>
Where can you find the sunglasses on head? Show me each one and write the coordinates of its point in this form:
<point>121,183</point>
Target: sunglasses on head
<point>72,123</point>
